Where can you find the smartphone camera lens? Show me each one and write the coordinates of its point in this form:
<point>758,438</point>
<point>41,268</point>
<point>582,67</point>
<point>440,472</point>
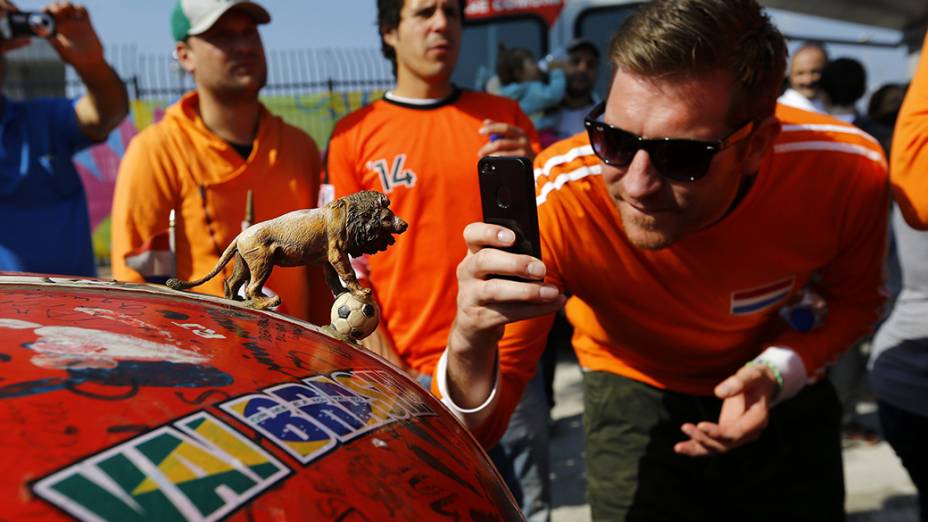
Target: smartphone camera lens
<point>503,197</point>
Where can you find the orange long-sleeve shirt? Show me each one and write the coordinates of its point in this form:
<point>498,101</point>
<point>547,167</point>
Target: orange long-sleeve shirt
<point>909,157</point>
<point>685,317</point>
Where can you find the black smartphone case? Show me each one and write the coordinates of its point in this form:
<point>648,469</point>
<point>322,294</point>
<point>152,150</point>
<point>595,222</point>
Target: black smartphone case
<point>507,193</point>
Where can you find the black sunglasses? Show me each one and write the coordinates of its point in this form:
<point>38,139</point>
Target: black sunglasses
<point>676,159</point>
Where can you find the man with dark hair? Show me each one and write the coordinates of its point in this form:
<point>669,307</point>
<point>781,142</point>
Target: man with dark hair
<point>420,145</point>
<point>882,110</point>
<point>691,212</point>
<point>844,82</point>
<point>388,16</point>
<point>581,69</point>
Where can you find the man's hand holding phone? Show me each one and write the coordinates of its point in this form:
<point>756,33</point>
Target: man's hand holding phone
<point>501,279</point>
<point>486,304</point>
<point>486,301</point>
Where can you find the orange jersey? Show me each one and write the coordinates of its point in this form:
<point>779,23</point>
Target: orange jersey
<point>424,157</point>
<point>179,164</point>
<point>686,317</point>
<point>909,169</point>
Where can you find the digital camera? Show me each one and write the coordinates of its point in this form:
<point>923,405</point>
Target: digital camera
<point>27,23</point>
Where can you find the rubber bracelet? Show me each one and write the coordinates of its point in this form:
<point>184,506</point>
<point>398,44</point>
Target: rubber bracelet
<point>776,375</point>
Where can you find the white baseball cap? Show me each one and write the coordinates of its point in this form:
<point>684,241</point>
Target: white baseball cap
<point>193,17</point>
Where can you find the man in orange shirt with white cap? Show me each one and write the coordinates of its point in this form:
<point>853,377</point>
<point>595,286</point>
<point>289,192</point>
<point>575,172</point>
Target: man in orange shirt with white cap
<point>213,147</point>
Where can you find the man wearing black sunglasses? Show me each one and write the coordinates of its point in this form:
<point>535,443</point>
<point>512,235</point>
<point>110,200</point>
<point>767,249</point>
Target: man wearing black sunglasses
<point>691,211</point>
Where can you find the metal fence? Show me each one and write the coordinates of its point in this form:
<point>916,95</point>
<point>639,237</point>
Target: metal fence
<point>290,72</point>
<point>309,88</point>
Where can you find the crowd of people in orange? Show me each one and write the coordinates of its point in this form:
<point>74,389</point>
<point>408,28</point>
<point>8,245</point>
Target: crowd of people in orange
<point>716,183</point>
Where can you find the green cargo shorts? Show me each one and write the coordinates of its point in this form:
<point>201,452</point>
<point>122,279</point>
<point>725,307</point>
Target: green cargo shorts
<point>793,472</point>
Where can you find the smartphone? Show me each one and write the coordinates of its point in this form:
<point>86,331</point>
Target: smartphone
<point>27,23</point>
<point>507,193</point>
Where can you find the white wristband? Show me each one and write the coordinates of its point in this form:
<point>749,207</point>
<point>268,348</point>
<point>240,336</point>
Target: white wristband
<point>441,374</point>
<point>791,368</point>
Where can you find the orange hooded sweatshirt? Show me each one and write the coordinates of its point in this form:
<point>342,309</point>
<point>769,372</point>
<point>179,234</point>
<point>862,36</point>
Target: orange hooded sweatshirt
<point>178,163</point>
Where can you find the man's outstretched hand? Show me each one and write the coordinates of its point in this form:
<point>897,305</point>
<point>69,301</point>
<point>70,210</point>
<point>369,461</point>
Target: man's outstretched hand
<point>746,397</point>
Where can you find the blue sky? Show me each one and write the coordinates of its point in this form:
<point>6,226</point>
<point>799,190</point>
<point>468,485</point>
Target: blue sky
<point>302,24</point>
<point>296,24</point>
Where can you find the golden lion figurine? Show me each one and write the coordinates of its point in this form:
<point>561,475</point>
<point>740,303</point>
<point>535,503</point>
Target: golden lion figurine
<point>356,224</point>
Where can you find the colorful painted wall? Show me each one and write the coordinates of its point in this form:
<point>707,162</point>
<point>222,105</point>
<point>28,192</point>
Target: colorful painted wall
<point>314,113</point>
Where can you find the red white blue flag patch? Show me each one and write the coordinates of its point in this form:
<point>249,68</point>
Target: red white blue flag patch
<point>752,300</point>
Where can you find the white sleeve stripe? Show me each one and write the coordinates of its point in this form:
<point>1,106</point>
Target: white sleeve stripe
<point>831,146</point>
<point>567,157</point>
<point>828,127</point>
<point>574,175</point>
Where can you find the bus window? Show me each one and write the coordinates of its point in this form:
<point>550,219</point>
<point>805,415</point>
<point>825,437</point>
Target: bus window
<point>480,44</point>
<point>598,24</point>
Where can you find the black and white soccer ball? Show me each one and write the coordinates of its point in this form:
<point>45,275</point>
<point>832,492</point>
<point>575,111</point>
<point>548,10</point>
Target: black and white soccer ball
<point>354,318</point>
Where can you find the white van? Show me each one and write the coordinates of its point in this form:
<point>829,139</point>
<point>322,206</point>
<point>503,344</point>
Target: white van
<point>544,26</point>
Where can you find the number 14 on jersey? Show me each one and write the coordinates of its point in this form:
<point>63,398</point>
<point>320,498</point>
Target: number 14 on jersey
<point>393,175</point>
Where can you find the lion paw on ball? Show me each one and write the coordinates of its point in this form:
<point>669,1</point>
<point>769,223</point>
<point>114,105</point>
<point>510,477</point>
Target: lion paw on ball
<point>354,318</point>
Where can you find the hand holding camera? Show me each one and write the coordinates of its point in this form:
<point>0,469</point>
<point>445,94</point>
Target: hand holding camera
<point>19,24</point>
<point>66,26</point>
<point>76,41</point>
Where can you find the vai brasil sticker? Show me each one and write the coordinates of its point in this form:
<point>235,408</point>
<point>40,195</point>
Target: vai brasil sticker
<point>201,468</point>
<point>195,469</point>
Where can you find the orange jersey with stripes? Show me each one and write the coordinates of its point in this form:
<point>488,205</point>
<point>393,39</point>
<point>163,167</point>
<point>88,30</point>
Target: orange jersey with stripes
<point>686,317</point>
<point>909,169</point>
<point>424,157</point>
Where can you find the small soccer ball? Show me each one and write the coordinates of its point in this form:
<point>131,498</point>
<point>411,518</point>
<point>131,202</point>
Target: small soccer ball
<point>353,317</point>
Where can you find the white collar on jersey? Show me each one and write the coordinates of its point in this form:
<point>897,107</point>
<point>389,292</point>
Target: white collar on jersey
<point>412,101</point>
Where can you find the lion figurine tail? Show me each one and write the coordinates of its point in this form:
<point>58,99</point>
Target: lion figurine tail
<point>180,284</point>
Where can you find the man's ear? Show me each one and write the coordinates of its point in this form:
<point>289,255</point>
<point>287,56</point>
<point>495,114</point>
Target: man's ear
<point>184,55</point>
<point>761,142</point>
<point>389,36</point>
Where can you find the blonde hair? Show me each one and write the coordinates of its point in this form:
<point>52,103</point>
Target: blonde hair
<point>690,37</point>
